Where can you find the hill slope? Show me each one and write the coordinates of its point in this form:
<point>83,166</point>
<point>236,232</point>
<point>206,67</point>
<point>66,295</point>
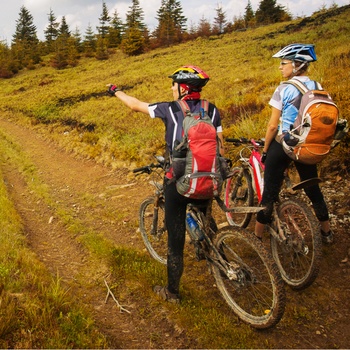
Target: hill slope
<point>73,108</point>
<point>83,225</point>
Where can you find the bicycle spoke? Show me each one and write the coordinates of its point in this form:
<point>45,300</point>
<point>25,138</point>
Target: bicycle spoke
<point>251,284</point>
<point>298,257</point>
<point>153,230</point>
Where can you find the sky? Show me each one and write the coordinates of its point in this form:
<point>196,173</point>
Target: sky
<point>82,13</point>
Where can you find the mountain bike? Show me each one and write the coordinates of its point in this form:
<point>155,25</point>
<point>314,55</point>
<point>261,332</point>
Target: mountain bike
<point>245,272</point>
<point>294,234</point>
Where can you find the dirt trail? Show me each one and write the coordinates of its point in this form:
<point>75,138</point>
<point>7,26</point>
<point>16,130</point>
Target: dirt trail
<point>93,192</point>
<point>107,201</point>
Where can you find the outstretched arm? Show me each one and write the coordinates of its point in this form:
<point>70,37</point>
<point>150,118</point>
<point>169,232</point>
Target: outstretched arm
<point>132,102</point>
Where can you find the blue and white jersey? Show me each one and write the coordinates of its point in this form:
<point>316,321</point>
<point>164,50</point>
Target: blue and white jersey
<point>286,98</point>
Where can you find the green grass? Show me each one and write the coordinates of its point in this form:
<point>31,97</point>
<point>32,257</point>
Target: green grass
<point>36,311</point>
<point>72,105</point>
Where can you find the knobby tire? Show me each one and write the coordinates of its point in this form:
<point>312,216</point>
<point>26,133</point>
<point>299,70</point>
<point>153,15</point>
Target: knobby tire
<point>299,258</point>
<point>154,240</point>
<point>255,291</point>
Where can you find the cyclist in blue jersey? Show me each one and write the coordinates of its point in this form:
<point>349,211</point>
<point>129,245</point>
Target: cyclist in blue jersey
<point>285,102</point>
<point>187,84</point>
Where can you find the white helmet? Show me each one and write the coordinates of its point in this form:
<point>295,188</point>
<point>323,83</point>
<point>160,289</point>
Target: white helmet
<point>297,52</point>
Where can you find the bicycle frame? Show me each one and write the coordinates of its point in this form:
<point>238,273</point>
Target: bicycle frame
<point>211,252</point>
<point>244,271</point>
<point>257,168</point>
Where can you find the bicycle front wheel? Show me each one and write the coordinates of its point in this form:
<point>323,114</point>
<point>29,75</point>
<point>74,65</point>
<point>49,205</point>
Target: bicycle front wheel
<point>250,282</point>
<point>239,193</point>
<point>153,229</point>
<point>299,256</point>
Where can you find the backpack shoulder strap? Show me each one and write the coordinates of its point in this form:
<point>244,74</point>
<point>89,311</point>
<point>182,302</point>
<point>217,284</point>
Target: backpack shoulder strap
<point>184,107</point>
<point>204,109</point>
<point>318,86</point>
<point>298,84</point>
<point>205,105</point>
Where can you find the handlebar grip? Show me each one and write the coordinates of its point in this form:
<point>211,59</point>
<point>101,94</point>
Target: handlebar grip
<point>239,141</point>
<point>233,140</point>
<point>137,170</point>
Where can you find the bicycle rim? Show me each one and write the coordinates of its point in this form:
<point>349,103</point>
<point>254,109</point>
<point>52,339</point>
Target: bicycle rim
<point>155,239</point>
<point>298,258</point>
<point>239,193</point>
<point>252,285</point>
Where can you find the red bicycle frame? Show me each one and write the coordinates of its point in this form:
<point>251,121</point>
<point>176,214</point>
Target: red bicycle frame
<point>257,168</point>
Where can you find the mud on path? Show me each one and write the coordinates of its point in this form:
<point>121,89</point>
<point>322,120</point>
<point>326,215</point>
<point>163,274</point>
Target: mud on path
<point>107,201</point>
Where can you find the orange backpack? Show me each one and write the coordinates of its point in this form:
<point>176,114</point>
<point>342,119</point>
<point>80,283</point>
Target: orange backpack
<point>311,136</point>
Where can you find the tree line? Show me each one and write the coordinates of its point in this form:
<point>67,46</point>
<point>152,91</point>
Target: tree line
<point>66,46</point>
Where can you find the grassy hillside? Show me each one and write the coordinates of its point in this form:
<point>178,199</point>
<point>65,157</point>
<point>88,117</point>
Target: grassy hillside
<point>31,301</point>
<point>72,107</point>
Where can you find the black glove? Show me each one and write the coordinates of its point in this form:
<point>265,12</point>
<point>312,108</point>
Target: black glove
<point>112,89</point>
<point>263,157</point>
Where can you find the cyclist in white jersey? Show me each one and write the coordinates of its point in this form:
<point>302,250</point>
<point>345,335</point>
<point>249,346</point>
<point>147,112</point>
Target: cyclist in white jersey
<point>285,102</point>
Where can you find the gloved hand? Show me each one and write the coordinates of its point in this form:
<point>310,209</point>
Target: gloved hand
<point>112,89</point>
<point>263,157</point>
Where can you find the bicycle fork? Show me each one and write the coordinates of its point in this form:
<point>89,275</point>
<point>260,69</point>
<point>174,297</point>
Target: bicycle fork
<point>238,185</point>
<point>154,228</point>
<point>231,270</point>
<point>282,234</point>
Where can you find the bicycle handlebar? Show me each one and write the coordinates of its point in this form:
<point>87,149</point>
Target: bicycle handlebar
<point>147,168</point>
<point>243,140</point>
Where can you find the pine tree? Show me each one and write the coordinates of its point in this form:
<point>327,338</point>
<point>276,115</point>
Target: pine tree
<point>25,46</point>
<point>101,48</point>
<point>133,42</point>
<point>77,37</point>
<point>51,31</point>
<point>89,42</point>
<point>171,23</point>
<point>6,62</point>
<point>25,28</point>
<point>204,27</point>
<point>135,16</point>
<point>64,28</point>
<point>270,12</point>
<point>115,30</point>
<point>249,16</point>
<point>66,50</point>
<point>219,21</point>
<point>103,29</point>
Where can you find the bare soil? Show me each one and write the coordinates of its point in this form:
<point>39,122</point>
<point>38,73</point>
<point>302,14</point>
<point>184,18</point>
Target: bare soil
<point>95,192</point>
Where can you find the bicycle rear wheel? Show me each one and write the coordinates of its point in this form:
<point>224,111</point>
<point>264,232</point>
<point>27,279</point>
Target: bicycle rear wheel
<point>153,229</point>
<point>251,283</point>
<point>239,193</point>
<point>298,258</point>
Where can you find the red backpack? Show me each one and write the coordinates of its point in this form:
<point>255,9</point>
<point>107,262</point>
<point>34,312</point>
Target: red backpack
<point>201,178</point>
